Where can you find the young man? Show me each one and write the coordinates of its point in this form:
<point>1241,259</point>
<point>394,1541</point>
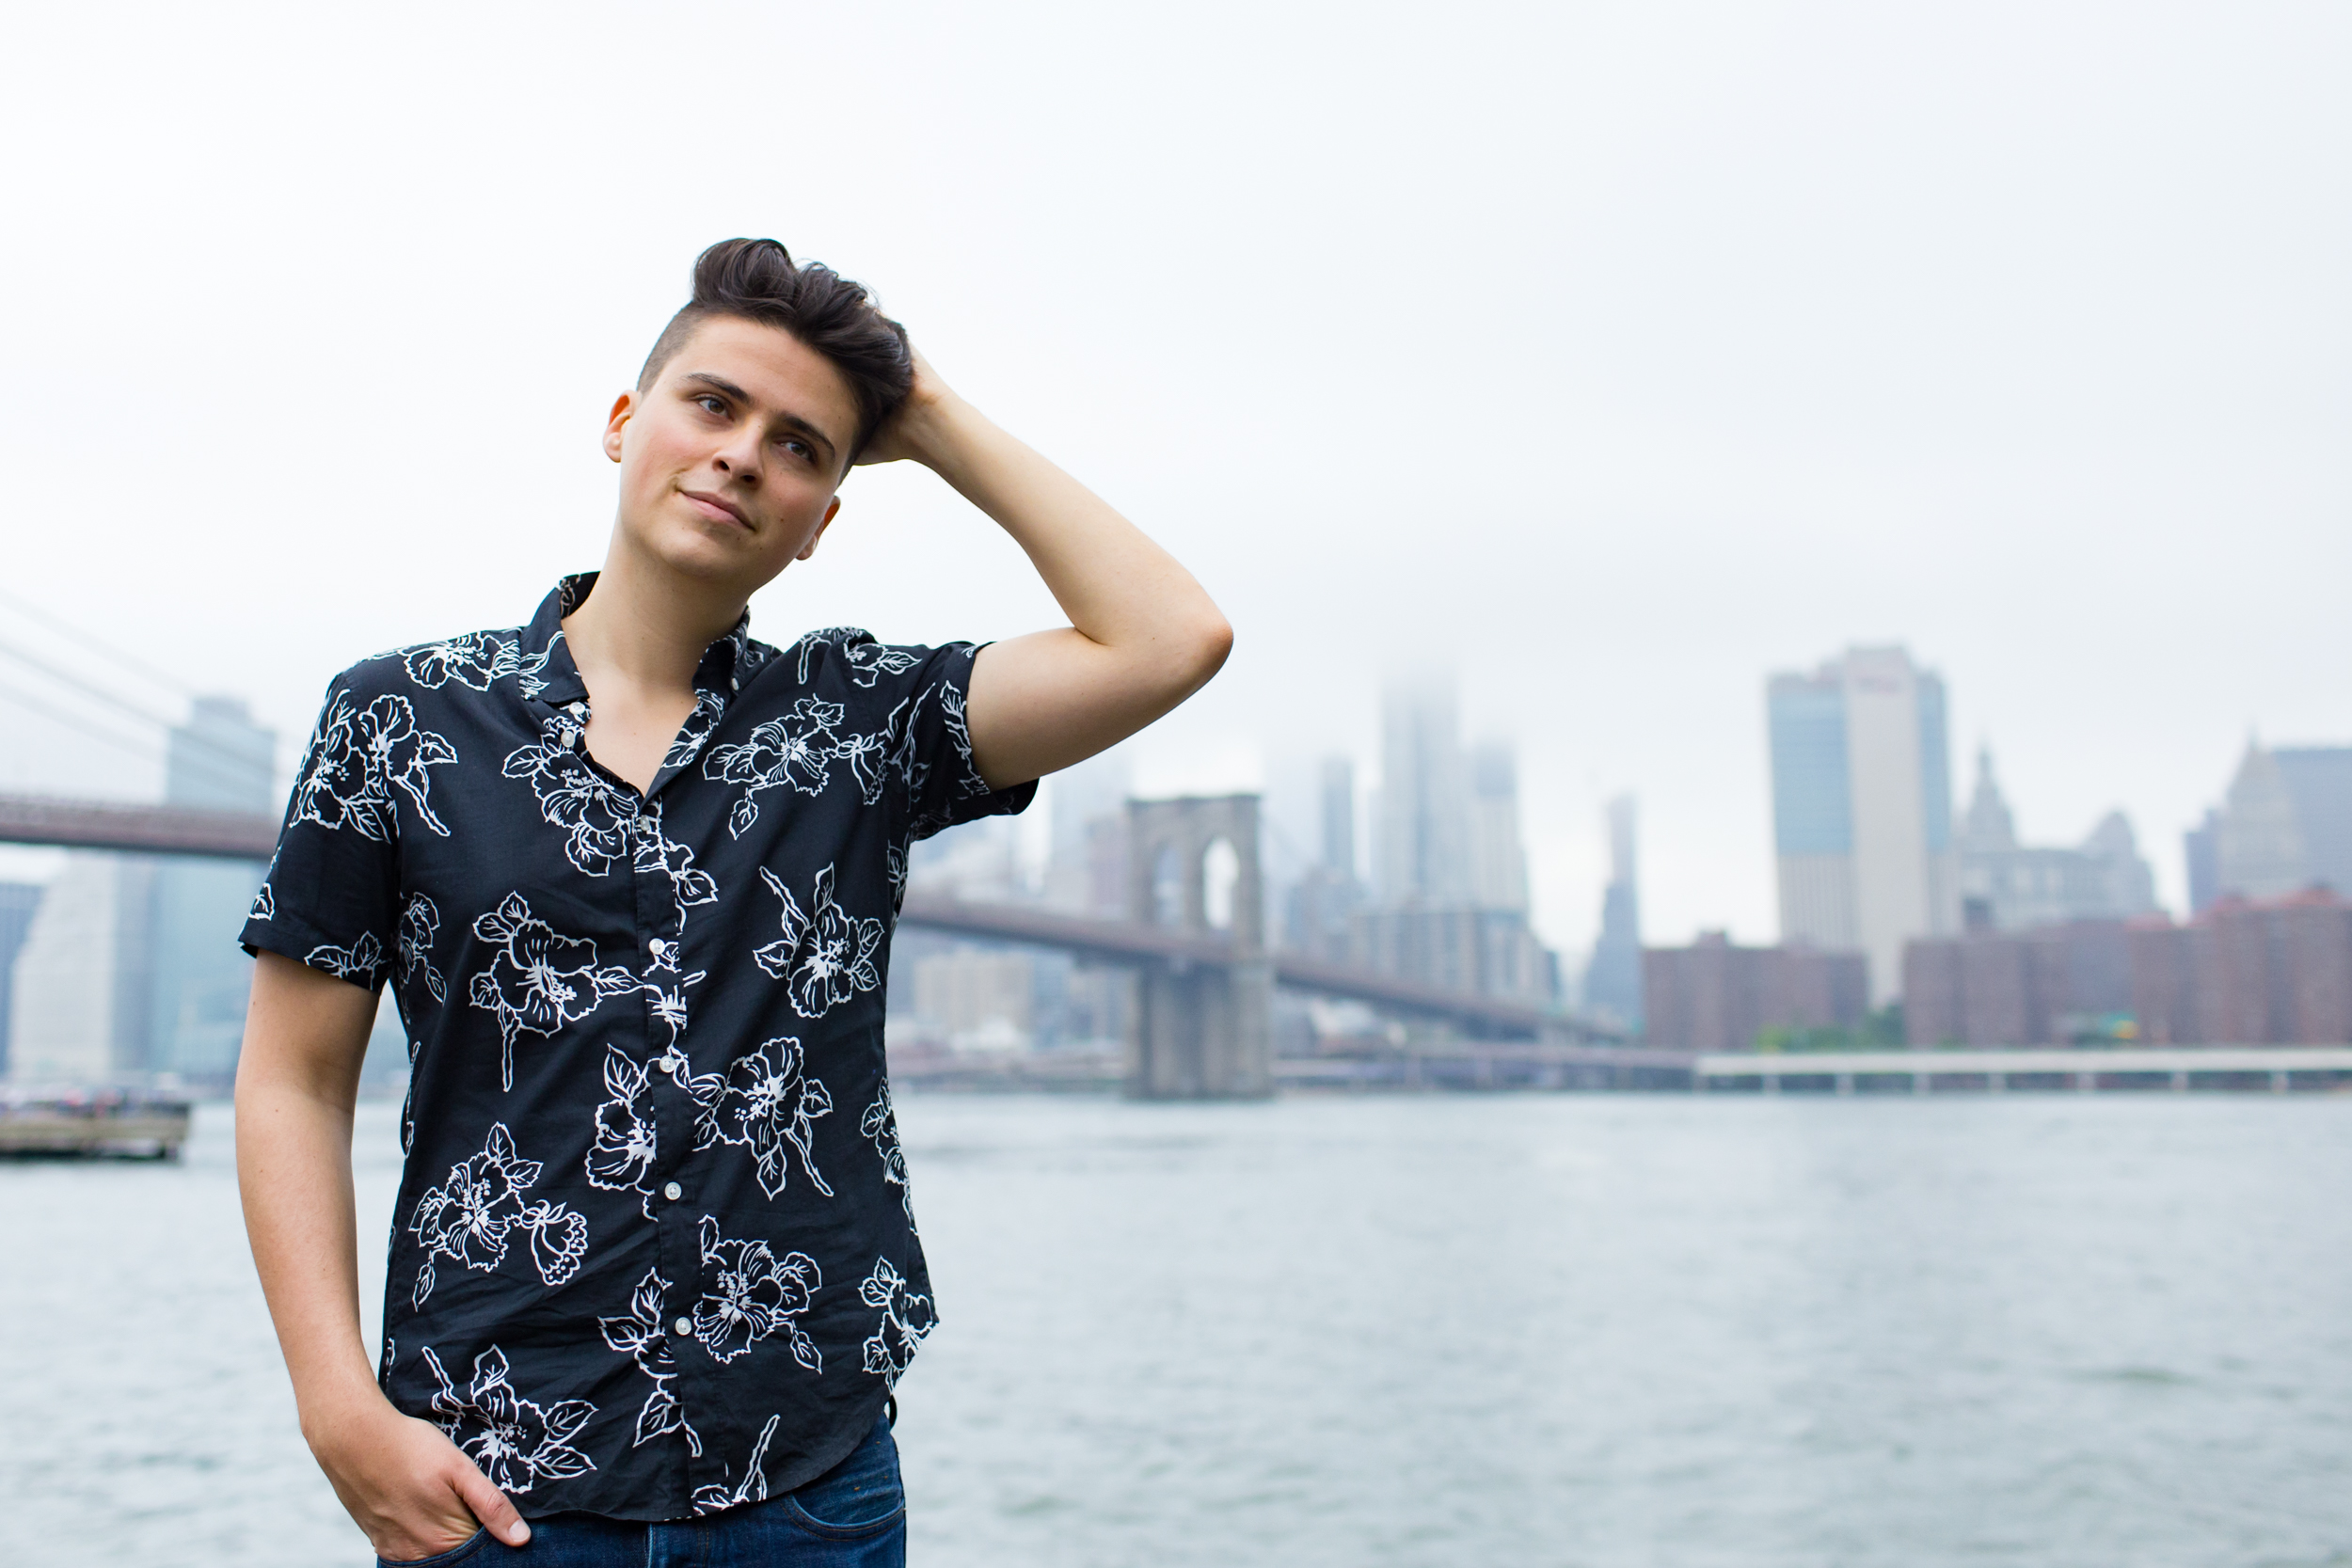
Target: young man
<point>633,877</point>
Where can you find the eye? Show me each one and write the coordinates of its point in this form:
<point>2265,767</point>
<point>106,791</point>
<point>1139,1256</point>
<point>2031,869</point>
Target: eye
<point>711,403</point>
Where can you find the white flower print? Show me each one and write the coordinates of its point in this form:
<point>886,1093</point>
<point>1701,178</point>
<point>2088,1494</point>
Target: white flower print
<point>529,668</point>
<point>265,905</point>
<point>419,924</point>
<point>593,811</point>
<point>622,1155</point>
<point>795,750</point>
<point>359,757</point>
<point>559,1239</point>
<point>753,1488</point>
<point>359,961</point>
<point>867,756</point>
<point>669,1007</point>
<point>826,957</point>
<point>468,1217</point>
<point>752,1295</point>
<point>907,1316</point>
<point>866,659</point>
<point>659,855</point>
<point>905,749</point>
<point>708,705</point>
<point>880,1123</point>
<point>706,1089</point>
<point>767,1103</point>
<point>894,864</point>
<point>539,981</point>
<point>639,1336</point>
<point>960,735</point>
<point>516,1442</point>
<point>475,659</point>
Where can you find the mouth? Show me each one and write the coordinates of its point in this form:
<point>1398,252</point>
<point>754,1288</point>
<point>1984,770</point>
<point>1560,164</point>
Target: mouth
<point>718,509</point>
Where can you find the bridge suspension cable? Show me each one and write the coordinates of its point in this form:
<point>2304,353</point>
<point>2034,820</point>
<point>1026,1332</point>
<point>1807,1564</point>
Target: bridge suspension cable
<point>91,642</point>
<point>225,764</point>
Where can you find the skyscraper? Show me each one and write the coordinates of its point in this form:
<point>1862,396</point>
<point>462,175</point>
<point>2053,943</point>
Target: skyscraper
<point>2007,886</point>
<point>1498,860</point>
<point>2319,778</point>
<point>2286,824</point>
<point>2200,848</point>
<point>1336,793</point>
<point>18,900</point>
<point>1862,810</point>
<point>1320,904</point>
<point>1612,985</point>
<point>219,760</point>
<point>1085,868</point>
<point>1422,852</point>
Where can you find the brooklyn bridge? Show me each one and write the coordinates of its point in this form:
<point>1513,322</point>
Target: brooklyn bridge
<point>1203,1019</point>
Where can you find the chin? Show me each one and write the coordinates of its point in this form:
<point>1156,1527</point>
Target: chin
<point>693,552</point>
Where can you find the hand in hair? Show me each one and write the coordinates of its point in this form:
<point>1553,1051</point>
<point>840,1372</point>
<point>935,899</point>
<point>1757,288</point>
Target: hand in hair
<point>1142,637</point>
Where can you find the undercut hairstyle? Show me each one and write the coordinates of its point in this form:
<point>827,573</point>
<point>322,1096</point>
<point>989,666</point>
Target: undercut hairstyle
<point>758,281</point>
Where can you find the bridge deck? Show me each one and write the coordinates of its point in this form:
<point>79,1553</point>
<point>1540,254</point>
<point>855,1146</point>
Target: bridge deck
<point>145,829</point>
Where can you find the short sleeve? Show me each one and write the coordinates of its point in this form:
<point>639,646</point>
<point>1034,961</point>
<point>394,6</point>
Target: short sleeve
<point>330,898</point>
<point>931,747</point>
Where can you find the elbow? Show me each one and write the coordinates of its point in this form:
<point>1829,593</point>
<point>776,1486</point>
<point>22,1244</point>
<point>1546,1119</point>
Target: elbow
<point>1211,644</point>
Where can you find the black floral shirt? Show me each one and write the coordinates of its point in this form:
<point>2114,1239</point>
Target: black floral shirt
<point>653,1254</point>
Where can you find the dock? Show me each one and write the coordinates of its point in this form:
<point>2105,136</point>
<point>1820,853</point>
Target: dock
<point>120,1123</point>
<point>2278,1067</point>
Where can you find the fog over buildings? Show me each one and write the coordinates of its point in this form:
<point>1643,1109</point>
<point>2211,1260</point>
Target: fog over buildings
<point>1788,328</point>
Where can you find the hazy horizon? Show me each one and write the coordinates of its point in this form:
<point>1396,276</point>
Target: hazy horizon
<point>1615,356</point>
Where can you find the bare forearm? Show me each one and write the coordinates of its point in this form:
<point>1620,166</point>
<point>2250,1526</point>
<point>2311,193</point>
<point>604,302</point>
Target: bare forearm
<point>293,1173</point>
<point>296,1081</point>
<point>1143,635</point>
<point>1118,589</point>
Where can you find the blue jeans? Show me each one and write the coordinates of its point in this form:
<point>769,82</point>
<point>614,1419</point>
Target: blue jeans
<point>854,1515</point>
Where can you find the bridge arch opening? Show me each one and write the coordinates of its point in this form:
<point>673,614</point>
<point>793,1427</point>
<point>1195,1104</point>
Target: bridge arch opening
<point>1220,875</point>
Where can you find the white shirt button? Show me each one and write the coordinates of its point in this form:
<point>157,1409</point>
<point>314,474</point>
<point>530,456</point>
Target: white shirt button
<point>657,947</point>
<point>685,1327</point>
<point>674,1192</point>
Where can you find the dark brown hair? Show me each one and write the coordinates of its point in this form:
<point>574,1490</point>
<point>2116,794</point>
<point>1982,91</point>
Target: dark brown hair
<point>759,280</point>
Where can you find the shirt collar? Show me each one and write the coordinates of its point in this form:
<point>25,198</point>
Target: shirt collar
<point>725,664</point>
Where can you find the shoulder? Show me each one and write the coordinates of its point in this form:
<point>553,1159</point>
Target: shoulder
<point>472,661</point>
<point>852,653</point>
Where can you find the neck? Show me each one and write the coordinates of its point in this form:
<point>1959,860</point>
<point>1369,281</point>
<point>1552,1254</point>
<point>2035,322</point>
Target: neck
<point>646,624</point>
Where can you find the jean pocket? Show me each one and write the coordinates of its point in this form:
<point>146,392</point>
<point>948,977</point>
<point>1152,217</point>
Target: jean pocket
<point>458,1553</point>
<point>862,1493</point>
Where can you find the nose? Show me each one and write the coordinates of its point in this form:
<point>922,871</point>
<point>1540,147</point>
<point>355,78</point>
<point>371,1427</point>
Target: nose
<point>739,458</point>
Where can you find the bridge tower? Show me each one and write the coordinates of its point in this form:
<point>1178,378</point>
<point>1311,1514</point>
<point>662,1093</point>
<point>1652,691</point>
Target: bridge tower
<point>1202,1029</point>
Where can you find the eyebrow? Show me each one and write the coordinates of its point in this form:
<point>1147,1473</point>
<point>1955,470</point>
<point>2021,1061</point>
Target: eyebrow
<point>784,416</point>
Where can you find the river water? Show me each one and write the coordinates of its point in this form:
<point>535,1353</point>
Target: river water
<point>1541,1329</point>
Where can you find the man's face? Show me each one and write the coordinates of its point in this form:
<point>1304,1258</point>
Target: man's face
<point>730,459</point>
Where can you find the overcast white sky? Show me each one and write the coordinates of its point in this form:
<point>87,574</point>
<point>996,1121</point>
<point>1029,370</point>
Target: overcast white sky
<point>1618,354</point>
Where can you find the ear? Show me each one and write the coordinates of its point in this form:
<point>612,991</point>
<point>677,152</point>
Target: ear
<point>623,406</point>
<point>831,508</point>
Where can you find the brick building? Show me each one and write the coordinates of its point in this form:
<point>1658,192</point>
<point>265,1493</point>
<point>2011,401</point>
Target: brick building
<point>2272,973</point>
<point>1715,996</point>
<point>2277,972</point>
<point>2041,986</point>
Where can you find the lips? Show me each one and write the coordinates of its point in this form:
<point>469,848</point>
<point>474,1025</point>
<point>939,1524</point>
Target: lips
<point>717,508</point>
